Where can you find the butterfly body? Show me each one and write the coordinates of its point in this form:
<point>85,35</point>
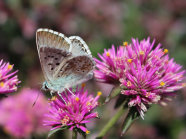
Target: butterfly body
<point>65,62</point>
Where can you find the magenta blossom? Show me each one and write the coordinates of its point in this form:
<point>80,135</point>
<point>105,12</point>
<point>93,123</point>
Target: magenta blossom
<point>110,69</point>
<point>8,81</point>
<point>74,111</point>
<point>147,74</point>
<point>20,118</point>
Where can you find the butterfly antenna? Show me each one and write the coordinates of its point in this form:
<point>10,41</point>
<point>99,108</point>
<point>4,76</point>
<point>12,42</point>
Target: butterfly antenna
<point>36,99</point>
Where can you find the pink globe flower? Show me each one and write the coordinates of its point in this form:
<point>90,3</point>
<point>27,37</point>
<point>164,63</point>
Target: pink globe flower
<point>146,74</point>
<point>8,81</point>
<point>20,118</point>
<point>110,69</point>
<point>73,111</point>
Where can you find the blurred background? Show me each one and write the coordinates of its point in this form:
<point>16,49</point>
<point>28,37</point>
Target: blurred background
<point>100,23</point>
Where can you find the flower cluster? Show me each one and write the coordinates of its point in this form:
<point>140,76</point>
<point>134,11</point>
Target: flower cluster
<point>20,118</point>
<point>73,111</point>
<point>147,74</point>
<point>8,81</point>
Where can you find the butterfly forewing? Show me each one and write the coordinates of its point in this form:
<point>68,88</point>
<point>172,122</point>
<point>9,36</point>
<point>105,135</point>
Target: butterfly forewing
<point>50,38</point>
<point>53,48</point>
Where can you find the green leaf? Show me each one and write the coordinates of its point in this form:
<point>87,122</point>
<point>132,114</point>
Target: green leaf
<point>51,132</point>
<point>129,120</point>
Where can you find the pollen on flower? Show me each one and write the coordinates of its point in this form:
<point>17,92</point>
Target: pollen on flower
<point>142,52</point>
<point>125,44</point>
<point>87,132</point>
<point>83,85</point>
<point>162,83</point>
<point>10,67</point>
<point>88,103</point>
<point>1,84</point>
<point>65,120</point>
<point>99,93</point>
<point>148,94</point>
<point>77,99</point>
<point>129,84</point>
<point>166,51</point>
<point>129,60</point>
<point>53,98</point>
<point>108,54</point>
<point>183,84</point>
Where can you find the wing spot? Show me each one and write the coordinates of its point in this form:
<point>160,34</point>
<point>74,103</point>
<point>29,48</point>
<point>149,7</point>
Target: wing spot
<point>57,63</point>
<point>56,58</point>
<point>52,68</point>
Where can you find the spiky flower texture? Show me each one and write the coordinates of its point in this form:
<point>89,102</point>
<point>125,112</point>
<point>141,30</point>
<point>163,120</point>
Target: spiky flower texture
<point>145,71</point>
<point>73,111</point>
<point>8,81</point>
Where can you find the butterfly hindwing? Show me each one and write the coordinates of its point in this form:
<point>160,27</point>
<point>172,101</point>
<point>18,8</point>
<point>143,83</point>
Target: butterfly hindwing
<point>79,65</point>
<point>75,71</point>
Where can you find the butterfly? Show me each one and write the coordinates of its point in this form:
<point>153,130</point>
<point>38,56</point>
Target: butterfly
<point>65,62</point>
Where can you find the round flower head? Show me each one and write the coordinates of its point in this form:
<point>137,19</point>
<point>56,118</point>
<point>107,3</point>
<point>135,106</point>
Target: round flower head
<point>150,76</point>
<point>8,81</point>
<point>19,118</point>
<point>146,74</point>
<point>73,111</point>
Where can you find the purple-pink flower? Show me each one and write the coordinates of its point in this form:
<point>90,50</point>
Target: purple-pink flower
<point>144,71</point>
<point>19,118</point>
<point>8,79</point>
<point>109,69</point>
<point>73,111</point>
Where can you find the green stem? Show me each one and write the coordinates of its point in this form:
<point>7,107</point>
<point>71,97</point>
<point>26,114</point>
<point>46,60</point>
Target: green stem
<point>111,123</point>
<point>74,134</point>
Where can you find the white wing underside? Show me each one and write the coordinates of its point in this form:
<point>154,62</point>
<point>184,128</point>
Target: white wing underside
<point>62,59</point>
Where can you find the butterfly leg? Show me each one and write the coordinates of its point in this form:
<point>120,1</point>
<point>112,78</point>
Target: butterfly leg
<point>70,91</point>
<point>51,92</point>
<point>59,94</point>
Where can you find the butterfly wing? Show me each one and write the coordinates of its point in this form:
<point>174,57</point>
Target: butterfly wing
<point>65,61</point>
<point>53,49</point>
<point>79,47</point>
<point>76,70</point>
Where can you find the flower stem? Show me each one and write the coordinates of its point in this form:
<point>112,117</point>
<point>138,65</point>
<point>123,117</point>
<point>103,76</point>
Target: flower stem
<point>74,134</point>
<point>110,124</point>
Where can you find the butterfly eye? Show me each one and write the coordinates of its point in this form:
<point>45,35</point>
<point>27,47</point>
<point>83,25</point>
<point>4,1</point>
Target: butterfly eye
<point>45,87</point>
